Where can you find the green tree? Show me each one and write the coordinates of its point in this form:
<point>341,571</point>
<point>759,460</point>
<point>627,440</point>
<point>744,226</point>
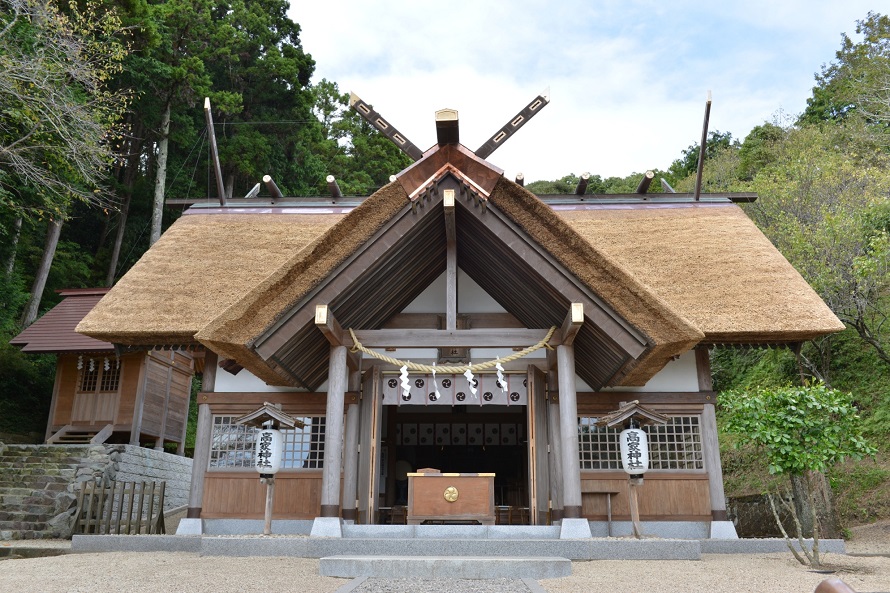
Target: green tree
<point>802,432</point>
<point>57,133</point>
<point>858,80</point>
<point>688,164</point>
<point>822,201</point>
<point>57,130</point>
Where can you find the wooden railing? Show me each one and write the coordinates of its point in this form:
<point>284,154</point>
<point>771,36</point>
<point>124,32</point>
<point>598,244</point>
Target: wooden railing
<point>130,508</point>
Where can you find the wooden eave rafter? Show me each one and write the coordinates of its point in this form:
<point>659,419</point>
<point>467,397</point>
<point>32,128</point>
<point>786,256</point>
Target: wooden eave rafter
<point>402,259</point>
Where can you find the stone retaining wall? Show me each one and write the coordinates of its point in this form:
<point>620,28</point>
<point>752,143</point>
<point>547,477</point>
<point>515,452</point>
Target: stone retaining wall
<point>138,464</point>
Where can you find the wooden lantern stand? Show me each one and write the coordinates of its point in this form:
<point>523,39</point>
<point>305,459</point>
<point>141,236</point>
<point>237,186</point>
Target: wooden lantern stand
<point>633,415</point>
<point>269,416</point>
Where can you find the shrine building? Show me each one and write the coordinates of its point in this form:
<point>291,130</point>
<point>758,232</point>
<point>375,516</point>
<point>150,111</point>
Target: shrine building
<point>520,320</point>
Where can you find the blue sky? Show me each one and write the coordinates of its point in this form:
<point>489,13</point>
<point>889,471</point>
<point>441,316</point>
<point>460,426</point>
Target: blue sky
<point>628,79</point>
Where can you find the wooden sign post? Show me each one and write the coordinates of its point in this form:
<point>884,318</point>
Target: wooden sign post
<point>269,448</point>
<point>634,447</point>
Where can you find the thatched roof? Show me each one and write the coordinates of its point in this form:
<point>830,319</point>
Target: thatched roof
<point>231,333</point>
<point>669,332</point>
<point>199,267</point>
<point>713,266</point>
<point>679,274</point>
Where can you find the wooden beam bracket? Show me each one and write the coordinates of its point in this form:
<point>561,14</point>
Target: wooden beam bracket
<point>324,320</point>
<point>571,325</point>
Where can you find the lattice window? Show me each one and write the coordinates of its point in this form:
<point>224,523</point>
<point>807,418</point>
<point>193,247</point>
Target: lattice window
<point>89,378</point>
<point>232,445</point>
<point>94,374</point>
<point>598,445</point>
<point>110,378</point>
<point>676,445</point>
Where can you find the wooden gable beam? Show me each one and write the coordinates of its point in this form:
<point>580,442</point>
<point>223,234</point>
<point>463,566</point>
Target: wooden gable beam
<point>450,260</point>
<point>384,127</point>
<point>325,321</point>
<point>461,338</point>
<point>571,325</point>
<point>519,120</point>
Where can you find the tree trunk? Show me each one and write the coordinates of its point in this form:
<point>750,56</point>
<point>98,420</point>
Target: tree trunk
<point>808,488</point>
<point>118,238</point>
<point>13,247</point>
<point>129,180</point>
<point>160,178</point>
<point>49,251</point>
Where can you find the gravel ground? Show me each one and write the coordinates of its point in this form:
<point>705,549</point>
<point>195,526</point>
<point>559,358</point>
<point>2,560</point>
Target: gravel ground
<point>866,568</point>
<point>170,572</point>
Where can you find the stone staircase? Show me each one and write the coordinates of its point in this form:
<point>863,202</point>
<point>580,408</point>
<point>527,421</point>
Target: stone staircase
<point>35,490</point>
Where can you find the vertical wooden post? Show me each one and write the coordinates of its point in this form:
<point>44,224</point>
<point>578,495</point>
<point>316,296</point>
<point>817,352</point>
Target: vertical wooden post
<point>60,360</point>
<point>568,416</point>
<point>369,437</point>
<point>634,501</point>
<point>450,261</point>
<point>710,441</point>
<point>333,437</point>
<point>270,493</point>
<point>139,405</point>
<point>553,428</point>
<point>159,443</point>
<point>202,440</point>
<point>539,472</point>
<point>350,450</point>
<point>711,450</point>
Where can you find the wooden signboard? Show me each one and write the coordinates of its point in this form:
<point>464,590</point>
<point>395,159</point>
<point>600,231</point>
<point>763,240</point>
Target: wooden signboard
<point>451,498</point>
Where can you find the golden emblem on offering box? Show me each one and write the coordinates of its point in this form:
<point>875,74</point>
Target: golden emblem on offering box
<point>451,494</point>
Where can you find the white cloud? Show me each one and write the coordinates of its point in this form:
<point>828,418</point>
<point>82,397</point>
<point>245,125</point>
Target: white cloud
<point>628,78</point>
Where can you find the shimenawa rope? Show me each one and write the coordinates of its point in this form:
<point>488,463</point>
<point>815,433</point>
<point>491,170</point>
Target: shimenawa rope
<point>457,370</point>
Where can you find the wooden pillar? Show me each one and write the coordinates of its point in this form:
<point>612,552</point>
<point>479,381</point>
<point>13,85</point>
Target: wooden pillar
<point>159,443</point>
<point>60,359</point>
<point>711,451</point>
<point>568,417</point>
<point>450,261</point>
<point>333,436</point>
<point>350,450</point>
<point>556,512</point>
<point>202,439</point>
<point>710,440</point>
<point>139,405</point>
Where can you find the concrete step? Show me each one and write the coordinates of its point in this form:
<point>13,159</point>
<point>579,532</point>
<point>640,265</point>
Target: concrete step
<point>445,567</point>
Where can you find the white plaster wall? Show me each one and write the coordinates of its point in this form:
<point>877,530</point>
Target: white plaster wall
<point>244,382</point>
<point>678,375</point>
<point>470,297</point>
